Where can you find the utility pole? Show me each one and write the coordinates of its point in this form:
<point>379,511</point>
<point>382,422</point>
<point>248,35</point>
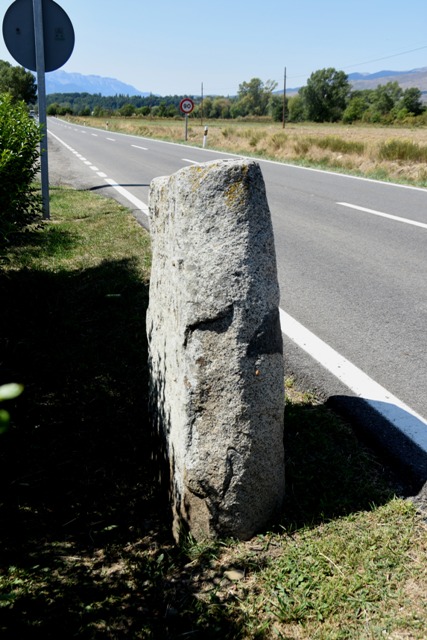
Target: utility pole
<point>284,100</point>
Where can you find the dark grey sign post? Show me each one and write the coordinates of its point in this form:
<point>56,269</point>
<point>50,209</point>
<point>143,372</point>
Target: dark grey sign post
<point>40,36</point>
<point>41,94</point>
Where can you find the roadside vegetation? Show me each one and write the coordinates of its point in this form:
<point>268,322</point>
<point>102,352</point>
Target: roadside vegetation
<point>20,203</point>
<point>86,549</point>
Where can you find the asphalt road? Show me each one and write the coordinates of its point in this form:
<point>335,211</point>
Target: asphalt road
<point>352,265</point>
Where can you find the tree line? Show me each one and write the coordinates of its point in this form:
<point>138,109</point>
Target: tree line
<point>327,97</point>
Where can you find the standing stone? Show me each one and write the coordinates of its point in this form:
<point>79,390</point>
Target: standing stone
<point>215,348</point>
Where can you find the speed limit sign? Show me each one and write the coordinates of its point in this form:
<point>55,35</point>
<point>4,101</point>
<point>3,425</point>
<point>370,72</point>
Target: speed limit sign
<point>186,105</point>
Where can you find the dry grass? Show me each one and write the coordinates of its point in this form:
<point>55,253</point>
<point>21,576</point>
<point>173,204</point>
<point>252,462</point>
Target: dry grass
<point>349,149</point>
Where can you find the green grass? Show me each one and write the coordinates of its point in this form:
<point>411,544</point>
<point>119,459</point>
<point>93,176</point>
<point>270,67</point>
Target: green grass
<point>339,145</point>
<point>86,550</point>
<point>345,579</point>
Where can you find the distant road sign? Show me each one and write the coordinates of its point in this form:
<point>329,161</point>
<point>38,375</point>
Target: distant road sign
<point>186,105</point>
<point>19,37</point>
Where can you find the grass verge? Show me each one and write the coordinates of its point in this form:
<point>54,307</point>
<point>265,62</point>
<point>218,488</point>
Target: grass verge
<point>85,544</point>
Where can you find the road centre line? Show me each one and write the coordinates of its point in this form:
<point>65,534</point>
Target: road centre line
<point>135,146</point>
<point>414,223</point>
<point>190,161</point>
<point>405,419</point>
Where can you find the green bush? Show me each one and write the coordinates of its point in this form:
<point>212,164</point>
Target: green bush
<point>403,150</point>
<point>20,204</point>
<point>339,145</point>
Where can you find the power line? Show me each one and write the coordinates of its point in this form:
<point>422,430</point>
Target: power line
<point>393,55</point>
<point>358,64</point>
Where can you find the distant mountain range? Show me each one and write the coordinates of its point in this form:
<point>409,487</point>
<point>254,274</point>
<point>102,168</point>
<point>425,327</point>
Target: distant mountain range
<point>406,79</point>
<point>64,82</point>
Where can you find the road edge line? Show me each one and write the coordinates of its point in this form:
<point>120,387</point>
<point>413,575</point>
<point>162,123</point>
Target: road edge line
<point>392,409</point>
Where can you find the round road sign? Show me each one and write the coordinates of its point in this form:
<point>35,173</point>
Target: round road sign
<point>186,105</point>
<point>18,34</point>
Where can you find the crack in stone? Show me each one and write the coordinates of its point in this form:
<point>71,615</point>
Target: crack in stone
<point>231,453</point>
<point>218,324</point>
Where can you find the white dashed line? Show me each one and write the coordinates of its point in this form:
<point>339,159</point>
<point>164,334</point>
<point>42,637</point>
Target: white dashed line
<point>373,212</point>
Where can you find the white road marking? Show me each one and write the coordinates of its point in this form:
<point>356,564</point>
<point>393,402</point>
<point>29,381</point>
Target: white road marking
<point>129,196</point>
<point>95,135</point>
<point>101,174</point>
<point>93,168</point>
<point>135,146</point>
<point>384,215</point>
<point>67,146</point>
<point>190,161</point>
<point>413,425</point>
<point>111,139</point>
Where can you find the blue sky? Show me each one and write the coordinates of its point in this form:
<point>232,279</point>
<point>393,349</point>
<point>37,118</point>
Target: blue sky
<point>171,47</point>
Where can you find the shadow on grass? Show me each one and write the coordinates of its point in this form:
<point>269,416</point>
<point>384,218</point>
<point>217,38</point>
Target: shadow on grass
<point>85,544</point>
<point>31,243</point>
<point>329,471</point>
